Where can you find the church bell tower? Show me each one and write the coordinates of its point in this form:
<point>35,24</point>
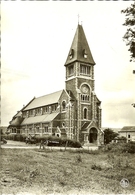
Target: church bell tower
<point>80,83</point>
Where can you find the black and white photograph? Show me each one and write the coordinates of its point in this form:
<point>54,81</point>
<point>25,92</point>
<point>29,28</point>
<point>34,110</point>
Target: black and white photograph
<point>67,124</point>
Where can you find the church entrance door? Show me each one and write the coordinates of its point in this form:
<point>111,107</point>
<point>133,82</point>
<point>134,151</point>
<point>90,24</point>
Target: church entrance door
<point>93,135</point>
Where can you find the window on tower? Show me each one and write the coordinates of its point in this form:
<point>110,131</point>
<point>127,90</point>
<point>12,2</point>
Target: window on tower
<point>71,54</point>
<point>63,105</point>
<point>71,70</point>
<point>84,69</point>
<point>84,53</point>
<point>85,98</point>
<point>85,113</point>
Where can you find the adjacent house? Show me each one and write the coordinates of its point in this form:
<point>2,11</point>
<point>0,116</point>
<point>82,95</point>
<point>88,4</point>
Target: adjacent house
<point>128,132</point>
<point>73,112</point>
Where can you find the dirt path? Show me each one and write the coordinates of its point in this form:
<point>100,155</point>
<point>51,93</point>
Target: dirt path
<point>17,144</point>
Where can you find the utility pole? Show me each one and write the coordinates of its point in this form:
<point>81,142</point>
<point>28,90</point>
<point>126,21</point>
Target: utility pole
<point>133,103</point>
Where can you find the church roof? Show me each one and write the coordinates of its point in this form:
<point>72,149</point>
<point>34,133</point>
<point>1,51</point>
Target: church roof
<point>88,125</point>
<point>19,113</point>
<point>79,48</point>
<point>85,125</point>
<point>16,122</point>
<point>44,100</point>
<point>39,119</point>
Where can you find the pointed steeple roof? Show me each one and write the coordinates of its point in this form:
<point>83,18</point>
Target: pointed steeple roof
<point>80,50</point>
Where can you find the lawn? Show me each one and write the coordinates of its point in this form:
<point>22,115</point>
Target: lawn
<point>57,172</point>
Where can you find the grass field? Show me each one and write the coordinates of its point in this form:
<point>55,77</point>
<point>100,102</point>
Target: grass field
<point>58,172</point>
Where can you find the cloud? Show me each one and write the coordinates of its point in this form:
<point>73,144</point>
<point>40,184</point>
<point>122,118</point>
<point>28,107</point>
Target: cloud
<point>118,113</point>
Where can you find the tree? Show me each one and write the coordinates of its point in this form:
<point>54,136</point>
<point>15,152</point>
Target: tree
<point>129,36</point>
<point>133,105</point>
<point>123,139</point>
<point>109,135</point>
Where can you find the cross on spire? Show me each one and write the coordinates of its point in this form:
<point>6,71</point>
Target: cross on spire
<point>78,18</point>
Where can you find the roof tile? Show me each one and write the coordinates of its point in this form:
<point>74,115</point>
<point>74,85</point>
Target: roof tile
<point>79,47</point>
<point>39,119</point>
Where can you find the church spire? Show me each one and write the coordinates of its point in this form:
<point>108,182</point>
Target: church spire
<point>80,50</point>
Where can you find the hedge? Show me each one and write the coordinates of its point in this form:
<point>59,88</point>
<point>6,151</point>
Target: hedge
<point>62,141</point>
<point>16,137</point>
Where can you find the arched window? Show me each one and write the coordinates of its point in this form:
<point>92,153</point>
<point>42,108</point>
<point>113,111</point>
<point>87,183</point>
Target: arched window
<point>71,70</point>
<point>81,97</point>
<point>63,124</point>
<point>85,113</point>
<point>85,69</point>
<point>71,53</point>
<point>63,105</point>
<point>84,53</point>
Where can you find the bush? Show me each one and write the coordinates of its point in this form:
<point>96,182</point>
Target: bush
<point>16,137</point>
<point>118,161</point>
<point>9,137</point>
<point>45,138</point>
<point>70,143</point>
<point>20,137</point>
<point>62,142</point>
<point>78,159</point>
<point>2,137</point>
<point>120,147</point>
<point>96,167</point>
<point>129,147</point>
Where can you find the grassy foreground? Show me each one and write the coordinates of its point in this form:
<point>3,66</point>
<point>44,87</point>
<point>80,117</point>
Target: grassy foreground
<point>58,172</point>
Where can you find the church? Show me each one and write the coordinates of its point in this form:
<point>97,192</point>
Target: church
<point>74,112</point>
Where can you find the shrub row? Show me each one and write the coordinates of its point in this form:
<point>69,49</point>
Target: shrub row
<point>120,147</point>
<point>16,137</point>
<point>62,142</point>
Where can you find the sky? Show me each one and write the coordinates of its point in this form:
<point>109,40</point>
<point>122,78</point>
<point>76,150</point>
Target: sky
<point>35,40</point>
